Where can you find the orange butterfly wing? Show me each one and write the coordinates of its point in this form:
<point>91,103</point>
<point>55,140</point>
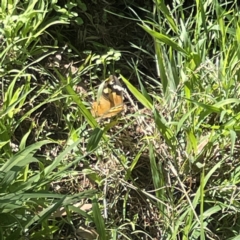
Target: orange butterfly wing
<point>111,100</point>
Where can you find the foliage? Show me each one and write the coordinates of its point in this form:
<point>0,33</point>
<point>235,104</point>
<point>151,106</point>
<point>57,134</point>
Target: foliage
<point>165,169</point>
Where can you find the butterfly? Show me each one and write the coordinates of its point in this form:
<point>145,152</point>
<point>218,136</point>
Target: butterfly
<point>110,102</point>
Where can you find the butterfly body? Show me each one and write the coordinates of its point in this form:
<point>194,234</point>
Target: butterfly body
<point>110,102</point>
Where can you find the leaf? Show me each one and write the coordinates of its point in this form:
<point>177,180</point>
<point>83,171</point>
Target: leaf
<point>95,137</point>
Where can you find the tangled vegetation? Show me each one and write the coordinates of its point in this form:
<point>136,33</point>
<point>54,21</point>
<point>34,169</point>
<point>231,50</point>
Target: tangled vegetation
<point>166,167</point>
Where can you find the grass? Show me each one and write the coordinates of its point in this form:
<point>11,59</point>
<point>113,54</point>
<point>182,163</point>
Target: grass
<point>167,168</point>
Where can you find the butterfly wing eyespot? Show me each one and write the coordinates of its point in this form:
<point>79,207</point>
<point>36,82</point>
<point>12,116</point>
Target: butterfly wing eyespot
<point>110,102</point>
